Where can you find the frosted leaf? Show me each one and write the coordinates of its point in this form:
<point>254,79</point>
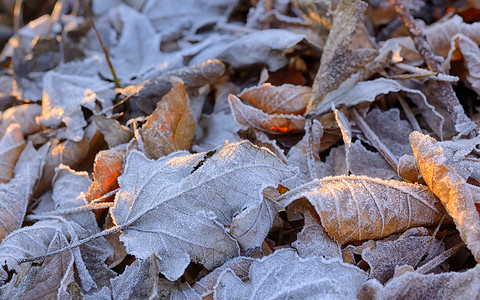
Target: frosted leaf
<point>412,285</point>
<point>391,130</point>
<point>171,126</point>
<point>113,132</point>
<point>338,61</point>
<point>407,249</point>
<point>238,265</point>
<point>15,194</point>
<point>191,209</point>
<point>271,123</point>
<point>267,47</point>
<point>313,240</point>
<point>66,91</point>
<point>442,166</point>
<point>218,128</point>
<point>285,275</point>
<point>11,146</point>
<point>48,281</point>
<point>351,93</point>
<point>68,153</point>
<point>298,157</point>
<point>24,115</point>
<point>356,208</point>
<point>365,162</point>
<point>440,34</point>
<point>284,99</point>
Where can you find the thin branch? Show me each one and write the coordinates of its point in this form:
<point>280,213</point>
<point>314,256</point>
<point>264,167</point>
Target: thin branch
<point>17,16</point>
<point>409,114</point>
<point>440,259</point>
<point>453,106</point>
<point>105,50</point>
<point>375,140</point>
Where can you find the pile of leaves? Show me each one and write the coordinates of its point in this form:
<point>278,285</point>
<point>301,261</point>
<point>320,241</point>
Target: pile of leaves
<point>236,149</point>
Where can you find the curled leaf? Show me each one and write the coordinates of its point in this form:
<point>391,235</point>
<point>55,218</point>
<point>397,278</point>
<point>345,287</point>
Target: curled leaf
<point>284,99</point>
<point>356,208</point>
<point>446,172</point>
<point>272,123</point>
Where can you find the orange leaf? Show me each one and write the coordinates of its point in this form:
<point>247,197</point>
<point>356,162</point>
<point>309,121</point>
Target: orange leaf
<point>171,126</point>
<point>272,123</point>
<point>284,99</point>
<point>107,168</point>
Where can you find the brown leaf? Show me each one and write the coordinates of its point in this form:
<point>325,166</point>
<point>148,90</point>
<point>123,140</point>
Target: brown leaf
<point>113,132</point>
<point>284,99</point>
<point>356,208</point>
<point>171,126</point>
<point>445,175</point>
<point>272,123</point>
<point>11,146</point>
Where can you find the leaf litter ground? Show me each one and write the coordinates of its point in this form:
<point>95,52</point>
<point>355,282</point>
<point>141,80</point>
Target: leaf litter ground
<point>240,149</point>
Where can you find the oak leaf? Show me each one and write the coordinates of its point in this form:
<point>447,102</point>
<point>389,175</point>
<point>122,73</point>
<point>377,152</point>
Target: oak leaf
<point>171,126</point>
<point>356,208</point>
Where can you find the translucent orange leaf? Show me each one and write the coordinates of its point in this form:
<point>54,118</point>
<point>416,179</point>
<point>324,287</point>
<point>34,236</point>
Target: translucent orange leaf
<point>171,126</point>
<point>284,99</point>
<point>11,146</point>
<point>108,166</point>
<point>256,118</point>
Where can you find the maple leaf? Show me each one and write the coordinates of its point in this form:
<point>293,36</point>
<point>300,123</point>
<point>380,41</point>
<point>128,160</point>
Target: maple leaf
<point>356,208</point>
<point>191,209</point>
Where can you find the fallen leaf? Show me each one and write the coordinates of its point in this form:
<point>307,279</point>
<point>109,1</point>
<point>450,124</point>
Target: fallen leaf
<point>24,115</point>
<point>12,144</point>
<point>113,132</point>
<point>15,194</point>
<point>196,206</point>
<point>284,99</point>
<point>283,274</point>
<point>271,123</point>
<point>440,164</point>
<point>106,169</point>
<point>412,285</point>
<point>171,126</point>
<point>356,208</point>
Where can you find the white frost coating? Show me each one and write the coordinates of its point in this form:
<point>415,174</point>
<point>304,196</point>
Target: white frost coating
<point>180,216</point>
<point>284,275</point>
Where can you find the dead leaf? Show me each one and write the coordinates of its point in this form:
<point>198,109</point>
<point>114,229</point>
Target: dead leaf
<point>15,194</point>
<point>284,99</point>
<point>108,166</point>
<point>446,175</point>
<point>113,132</point>
<point>11,145</point>
<point>271,123</point>
<point>24,115</point>
<point>356,208</point>
<point>171,126</point>
<point>191,209</point>
<point>412,285</point>
<point>283,274</point>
